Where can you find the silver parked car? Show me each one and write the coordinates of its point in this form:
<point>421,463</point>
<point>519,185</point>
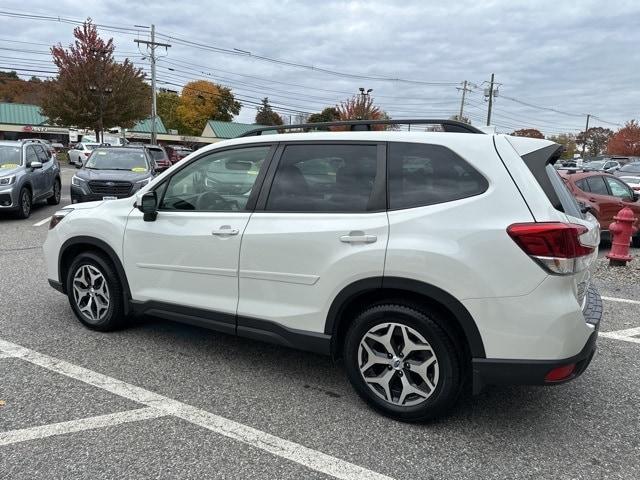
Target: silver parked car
<point>28,174</point>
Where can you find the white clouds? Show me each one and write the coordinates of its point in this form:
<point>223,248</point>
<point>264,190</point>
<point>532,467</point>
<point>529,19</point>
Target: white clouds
<point>581,56</point>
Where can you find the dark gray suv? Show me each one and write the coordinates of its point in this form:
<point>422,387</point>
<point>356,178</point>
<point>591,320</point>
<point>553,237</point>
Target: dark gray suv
<point>28,174</point>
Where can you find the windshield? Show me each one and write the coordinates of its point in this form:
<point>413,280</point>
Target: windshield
<point>10,157</point>
<point>90,147</point>
<point>126,159</point>
<point>632,167</point>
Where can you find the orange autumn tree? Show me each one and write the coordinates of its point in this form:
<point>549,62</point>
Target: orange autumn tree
<point>528,132</point>
<point>201,101</point>
<point>626,141</point>
<point>361,107</point>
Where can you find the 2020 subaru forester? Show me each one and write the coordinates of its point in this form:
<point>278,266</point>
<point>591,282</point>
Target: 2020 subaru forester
<point>425,260</point>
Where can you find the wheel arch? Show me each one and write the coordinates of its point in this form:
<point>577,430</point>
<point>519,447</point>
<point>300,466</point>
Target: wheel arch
<point>81,244</point>
<point>358,295</point>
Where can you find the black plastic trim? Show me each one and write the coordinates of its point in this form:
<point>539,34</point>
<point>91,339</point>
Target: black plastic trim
<point>272,332</point>
<point>461,314</point>
<point>488,371</point>
<point>221,322</point>
<point>56,285</point>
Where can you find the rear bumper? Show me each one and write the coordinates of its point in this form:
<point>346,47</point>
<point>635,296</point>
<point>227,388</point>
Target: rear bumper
<point>489,371</point>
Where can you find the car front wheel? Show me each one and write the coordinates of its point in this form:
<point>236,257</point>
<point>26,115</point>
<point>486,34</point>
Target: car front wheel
<point>95,292</point>
<point>402,363</point>
<point>24,203</point>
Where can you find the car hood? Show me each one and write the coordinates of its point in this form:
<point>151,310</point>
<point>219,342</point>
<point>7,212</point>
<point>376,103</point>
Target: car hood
<point>113,175</point>
<point>5,172</point>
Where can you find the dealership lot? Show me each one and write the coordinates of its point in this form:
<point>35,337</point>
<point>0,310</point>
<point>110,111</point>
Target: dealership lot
<point>163,400</point>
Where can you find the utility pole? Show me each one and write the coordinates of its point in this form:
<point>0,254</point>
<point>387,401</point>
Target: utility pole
<point>464,93</point>
<point>152,58</point>
<point>490,100</point>
<point>585,136</point>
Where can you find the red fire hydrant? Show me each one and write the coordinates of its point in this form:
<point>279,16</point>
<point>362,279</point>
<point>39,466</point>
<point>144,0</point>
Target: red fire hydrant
<point>621,231</point>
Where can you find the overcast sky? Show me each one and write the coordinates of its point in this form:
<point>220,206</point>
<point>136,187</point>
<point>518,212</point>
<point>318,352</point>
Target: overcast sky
<point>574,57</point>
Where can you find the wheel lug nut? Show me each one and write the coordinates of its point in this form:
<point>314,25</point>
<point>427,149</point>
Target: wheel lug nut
<point>407,365</point>
<point>389,367</point>
<point>401,355</point>
<point>400,372</point>
<point>389,355</point>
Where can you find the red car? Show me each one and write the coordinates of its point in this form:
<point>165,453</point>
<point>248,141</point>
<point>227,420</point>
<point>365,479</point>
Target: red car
<point>177,152</point>
<point>604,194</point>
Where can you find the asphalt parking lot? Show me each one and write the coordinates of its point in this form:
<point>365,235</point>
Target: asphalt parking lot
<point>163,400</point>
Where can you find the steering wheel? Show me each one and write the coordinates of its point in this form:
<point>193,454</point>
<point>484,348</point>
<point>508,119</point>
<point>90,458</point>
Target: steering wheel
<point>211,201</point>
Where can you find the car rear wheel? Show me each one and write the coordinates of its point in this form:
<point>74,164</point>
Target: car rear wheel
<point>24,203</point>
<point>402,363</point>
<point>54,199</point>
<point>95,292</point>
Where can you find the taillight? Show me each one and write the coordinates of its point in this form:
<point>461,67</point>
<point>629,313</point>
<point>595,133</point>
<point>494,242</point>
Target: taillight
<point>86,154</point>
<point>557,247</point>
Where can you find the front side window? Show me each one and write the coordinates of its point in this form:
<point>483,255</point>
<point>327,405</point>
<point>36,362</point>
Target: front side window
<point>422,174</point>
<point>31,155</point>
<point>218,182</point>
<point>324,178</point>
<point>42,154</point>
<point>619,189</point>
<point>597,185</point>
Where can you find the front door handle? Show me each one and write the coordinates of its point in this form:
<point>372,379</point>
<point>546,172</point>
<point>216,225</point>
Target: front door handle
<point>225,230</point>
<point>358,237</point>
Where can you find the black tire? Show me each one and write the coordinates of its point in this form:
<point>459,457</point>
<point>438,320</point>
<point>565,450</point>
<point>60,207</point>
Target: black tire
<point>54,199</point>
<point>635,241</point>
<point>114,317</point>
<point>450,380</point>
<point>24,203</point>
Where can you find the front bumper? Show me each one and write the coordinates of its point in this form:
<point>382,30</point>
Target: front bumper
<point>489,371</point>
<point>8,198</point>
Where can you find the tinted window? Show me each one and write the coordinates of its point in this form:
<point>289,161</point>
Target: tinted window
<point>324,178</point>
<point>41,153</point>
<point>631,167</point>
<point>583,185</point>
<point>219,182</point>
<point>157,154</point>
<point>568,203</point>
<point>619,189</point>
<point>422,174</point>
<point>31,155</point>
<point>597,185</point>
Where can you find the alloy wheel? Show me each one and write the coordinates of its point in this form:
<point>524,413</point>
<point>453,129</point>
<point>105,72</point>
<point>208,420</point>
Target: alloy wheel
<point>398,364</point>
<point>91,292</point>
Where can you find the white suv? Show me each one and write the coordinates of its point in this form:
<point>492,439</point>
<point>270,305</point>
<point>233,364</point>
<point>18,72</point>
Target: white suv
<point>426,261</point>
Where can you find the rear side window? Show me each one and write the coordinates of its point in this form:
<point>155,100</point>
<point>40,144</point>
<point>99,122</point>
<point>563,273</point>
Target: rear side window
<point>597,185</point>
<point>583,185</point>
<point>324,178</point>
<point>421,174</point>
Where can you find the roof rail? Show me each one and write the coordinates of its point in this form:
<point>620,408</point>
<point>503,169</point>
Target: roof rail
<point>365,125</point>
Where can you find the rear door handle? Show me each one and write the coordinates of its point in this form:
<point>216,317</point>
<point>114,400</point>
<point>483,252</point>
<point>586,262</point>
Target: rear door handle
<point>225,230</point>
<point>358,237</point>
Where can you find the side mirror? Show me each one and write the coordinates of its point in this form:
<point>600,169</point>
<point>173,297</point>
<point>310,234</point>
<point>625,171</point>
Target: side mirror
<point>148,205</point>
<point>35,165</point>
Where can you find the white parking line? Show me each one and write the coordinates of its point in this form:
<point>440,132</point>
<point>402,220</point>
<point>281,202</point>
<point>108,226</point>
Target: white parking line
<point>627,335</point>
<point>43,431</point>
<point>6,355</point>
<point>294,452</point>
<point>621,300</point>
<point>42,222</point>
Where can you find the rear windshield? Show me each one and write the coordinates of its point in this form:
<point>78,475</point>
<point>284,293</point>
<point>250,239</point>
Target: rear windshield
<point>568,203</point>
<point>156,154</point>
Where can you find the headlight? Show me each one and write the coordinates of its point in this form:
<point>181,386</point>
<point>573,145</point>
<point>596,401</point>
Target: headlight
<point>77,181</point>
<point>144,182</point>
<point>8,180</point>
<point>58,216</point>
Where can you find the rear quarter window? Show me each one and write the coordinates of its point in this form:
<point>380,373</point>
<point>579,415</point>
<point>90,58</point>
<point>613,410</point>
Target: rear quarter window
<point>423,174</point>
